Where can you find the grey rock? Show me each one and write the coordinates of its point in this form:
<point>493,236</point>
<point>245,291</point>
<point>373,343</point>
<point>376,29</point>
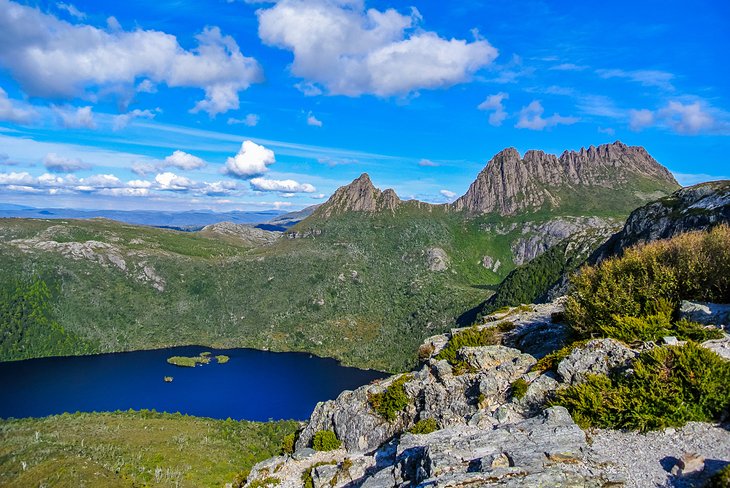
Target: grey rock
<point>322,475</point>
<point>598,356</point>
<point>437,259</point>
<point>705,313</point>
<point>245,234</point>
<point>721,347</point>
<point>303,453</point>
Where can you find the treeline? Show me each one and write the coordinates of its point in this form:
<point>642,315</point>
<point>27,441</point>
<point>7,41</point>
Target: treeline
<point>27,327</point>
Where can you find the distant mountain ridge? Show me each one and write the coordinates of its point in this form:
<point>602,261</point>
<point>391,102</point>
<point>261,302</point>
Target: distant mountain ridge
<point>510,184</point>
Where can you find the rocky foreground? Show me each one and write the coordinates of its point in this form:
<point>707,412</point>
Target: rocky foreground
<point>488,434</point>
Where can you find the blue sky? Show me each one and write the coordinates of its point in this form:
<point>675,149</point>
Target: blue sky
<point>223,104</point>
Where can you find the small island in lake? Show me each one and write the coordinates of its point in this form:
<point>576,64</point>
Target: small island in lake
<point>189,362</point>
<point>192,361</point>
<point>168,379</point>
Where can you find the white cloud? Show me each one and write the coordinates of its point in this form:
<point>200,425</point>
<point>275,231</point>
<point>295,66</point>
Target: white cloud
<point>569,67</point>
<point>689,179</point>
<point>50,57</point>
<point>250,120</point>
<point>285,186</point>
<point>183,160</point>
<point>251,160</point>
<point>171,182</point>
<point>72,10</point>
<point>495,103</point>
<point>639,119</point>
<point>143,169</point>
<point>351,51</point>
<point>146,86</point>
<point>689,118</point>
<point>652,78</point>
<point>58,164</point>
<point>75,118</point>
<point>122,120</point>
<point>313,121</point>
<point>531,118</point>
<point>9,112</point>
<point>427,163</point>
<point>450,195</point>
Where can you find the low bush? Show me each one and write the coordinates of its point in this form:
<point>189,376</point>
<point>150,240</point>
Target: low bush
<point>668,387</point>
<point>264,483</point>
<point>519,388</point>
<point>471,337</point>
<point>424,426</point>
<point>325,440</point>
<point>307,480</point>
<point>648,281</point>
<point>393,400</point>
<point>550,362</point>
<point>654,327</point>
<point>287,443</point>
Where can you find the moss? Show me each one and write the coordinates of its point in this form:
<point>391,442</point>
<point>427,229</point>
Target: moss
<point>506,326</point>
<point>265,482</point>
<point>668,387</point>
<point>325,440</point>
<point>424,426</point>
<point>519,388</point>
<point>393,400</point>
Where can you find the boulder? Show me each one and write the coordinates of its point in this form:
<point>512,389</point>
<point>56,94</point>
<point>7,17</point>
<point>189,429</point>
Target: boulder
<point>598,356</point>
<point>705,313</point>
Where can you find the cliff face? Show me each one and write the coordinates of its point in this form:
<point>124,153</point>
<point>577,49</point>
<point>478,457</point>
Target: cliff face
<point>510,185</point>
<point>696,207</point>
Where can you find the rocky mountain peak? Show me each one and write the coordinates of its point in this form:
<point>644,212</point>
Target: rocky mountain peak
<point>359,196</point>
<point>511,184</point>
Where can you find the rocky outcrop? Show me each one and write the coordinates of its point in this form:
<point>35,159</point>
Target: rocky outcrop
<point>511,184</point>
<point>705,313</point>
<point>696,207</point>
<point>485,434</point>
<point>243,234</point>
<point>359,196</point>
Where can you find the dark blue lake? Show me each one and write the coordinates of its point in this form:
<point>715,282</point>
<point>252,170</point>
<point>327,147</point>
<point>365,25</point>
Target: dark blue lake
<point>253,385</point>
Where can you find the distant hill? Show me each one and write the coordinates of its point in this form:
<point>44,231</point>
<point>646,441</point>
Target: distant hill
<point>364,278</point>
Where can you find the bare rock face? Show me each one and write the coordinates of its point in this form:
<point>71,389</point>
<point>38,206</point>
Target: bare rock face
<point>245,234</point>
<point>437,259</point>
<point>510,184</point>
<point>705,313</point>
<point>359,196</point>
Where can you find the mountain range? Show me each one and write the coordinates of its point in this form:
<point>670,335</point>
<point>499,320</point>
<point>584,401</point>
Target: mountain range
<point>364,278</point>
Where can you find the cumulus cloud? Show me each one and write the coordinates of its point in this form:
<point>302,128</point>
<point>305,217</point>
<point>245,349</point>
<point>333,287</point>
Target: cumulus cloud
<point>496,105</point>
<point>53,58</point>
<point>75,117</point>
<point>639,119</point>
<point>251,120</point>
<point>123,120</point>
<point>172,182</point>
<point>688,118</point>
<point>252,160</point>
<point>284,186</point>
<point>341,46</point>
<point>313,121</point>
<point>10,112</point>
<point>183,160</point>
<point>58,164</point>
<point>530,117</point>
<point>449,195</point>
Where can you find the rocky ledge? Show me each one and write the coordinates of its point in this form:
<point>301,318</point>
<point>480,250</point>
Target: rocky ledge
<point>484,432</point>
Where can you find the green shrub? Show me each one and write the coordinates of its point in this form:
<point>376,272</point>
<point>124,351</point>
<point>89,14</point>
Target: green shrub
<point>721,479</point>
<point>506,326</point>
<point>325,440</point>
<point>650,280</point>
<point>287,443</point>
<point>654,327</point>
<point>550,362</point>
<point>424,426</point>
<point>393,400</point>
<point>668,387</point>
<point>519,388</point>
<point>263,483</point>
<point>471,337</point>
